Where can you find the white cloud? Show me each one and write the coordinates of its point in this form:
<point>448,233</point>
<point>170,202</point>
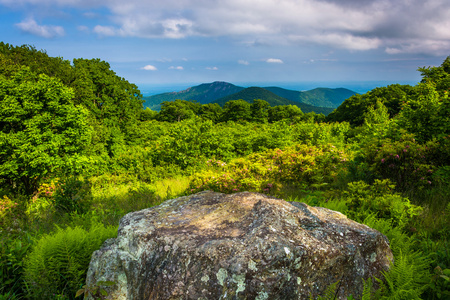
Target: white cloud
<point>149,68</point>
<point>83,28</point>
<point>212,68</point>
<point>344,41</point>
<point>176,68</point>
<point>105,30</point>
<point>274,61</point>
<point>347,24</point>
<point>243,62</point>
<point>30,26</point>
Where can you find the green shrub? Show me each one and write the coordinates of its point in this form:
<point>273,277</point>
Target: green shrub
<point>379,199</point>
<point>13,249</point>
<point>268,171</point>
<point>72,194</point>
<point>405,162</point>
<point>58,262</point>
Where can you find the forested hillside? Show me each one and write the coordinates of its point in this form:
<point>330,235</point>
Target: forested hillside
<point>252,93</point>
<point>321,97</point>
<point>78,151</point>
<point>203,93</point>
<point>319,100</point>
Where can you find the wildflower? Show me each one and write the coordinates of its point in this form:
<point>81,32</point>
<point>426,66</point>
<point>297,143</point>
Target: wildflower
<point>404,150</point>
<point>397,157</point>
<point>429,182</point>
<point>382,160</point>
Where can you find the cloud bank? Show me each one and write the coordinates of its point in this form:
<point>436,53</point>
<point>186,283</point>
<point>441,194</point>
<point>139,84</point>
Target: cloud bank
<point>396,26</point>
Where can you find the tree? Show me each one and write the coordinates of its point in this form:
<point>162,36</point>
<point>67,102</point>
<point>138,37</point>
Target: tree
<point>439,75</point>
<point>212,111</point>
<point>237,110</point>
<point>110,98</point>
<point>284,112</point>
<point>175,111</point>
<point>425,115</point>
<point>353,109</point>
<point>260,111</point>
<point>41,131</point>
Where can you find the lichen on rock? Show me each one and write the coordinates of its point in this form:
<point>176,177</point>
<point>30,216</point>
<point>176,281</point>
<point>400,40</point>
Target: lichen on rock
<point>240,246</point>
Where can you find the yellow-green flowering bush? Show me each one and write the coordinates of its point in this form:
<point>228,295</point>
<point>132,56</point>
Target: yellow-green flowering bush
<point>42,202</point>
<point>267,171</point>
<point>7,211</point>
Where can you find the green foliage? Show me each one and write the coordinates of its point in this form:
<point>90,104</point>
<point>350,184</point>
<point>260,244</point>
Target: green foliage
<point>97,291</point>
<point>13,249</point>
<point>211,111</point>
<point>438,75</point>
<point>8,211</point>
<point>380,200</point>
<point>409,274</point>
<point>407,278</point>
<point>107,96</point>
<point>284,112</point>
<point>259,111</point>
<point>41,131</point>
<point>37,60</point>
<point>440,283</point>
<point>422,114</point>
<point>72,195</point>
<point>405,162</point>
<point>237,110</point>
<point>354,109</point>
<point>175,111</point>
<point>267,171</point>
<point>58,262</point>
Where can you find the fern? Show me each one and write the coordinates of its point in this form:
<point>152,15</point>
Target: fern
<point>58,263</point>
<point>399,240</point>
<point>329,294</point>
<point>368,291</point>
<point>407,279</point>
<point>409,275</point>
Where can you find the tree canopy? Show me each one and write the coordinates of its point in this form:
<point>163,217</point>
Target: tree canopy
<point>41,130</point>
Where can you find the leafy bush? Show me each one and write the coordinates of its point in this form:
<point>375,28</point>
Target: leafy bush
<point>379,199</point>
<point>13,249</point>
<point>58,262</point>
<point>72,194</point>
<point>8,210</point>
<point>405,162</point>
<point>300,165</point>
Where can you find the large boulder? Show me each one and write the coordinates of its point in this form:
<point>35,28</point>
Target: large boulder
<point>241,246</point>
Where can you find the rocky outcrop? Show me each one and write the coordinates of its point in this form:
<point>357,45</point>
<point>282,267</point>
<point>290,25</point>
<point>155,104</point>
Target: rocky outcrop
<point>241,246</point>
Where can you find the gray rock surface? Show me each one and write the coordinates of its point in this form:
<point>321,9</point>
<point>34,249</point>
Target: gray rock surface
<point>241,246</point>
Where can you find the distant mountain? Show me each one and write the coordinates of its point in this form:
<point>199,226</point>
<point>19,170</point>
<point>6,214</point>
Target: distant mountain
<point>252,93</point>
<point>203,93</point>
<point>319,100</point>
<point>324,97</point>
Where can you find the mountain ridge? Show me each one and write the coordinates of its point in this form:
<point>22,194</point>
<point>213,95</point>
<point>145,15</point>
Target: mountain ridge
<point>324,100</point>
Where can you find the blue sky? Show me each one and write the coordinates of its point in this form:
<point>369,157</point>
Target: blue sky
<point>183,42</point>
